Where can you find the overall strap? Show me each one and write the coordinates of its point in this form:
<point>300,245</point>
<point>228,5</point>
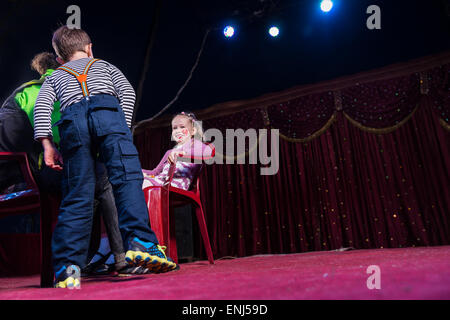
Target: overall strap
<point>80,77</point>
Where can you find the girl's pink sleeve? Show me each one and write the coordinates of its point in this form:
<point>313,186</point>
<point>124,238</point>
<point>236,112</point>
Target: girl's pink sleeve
<point>201,150</point>
<point>159,167</point>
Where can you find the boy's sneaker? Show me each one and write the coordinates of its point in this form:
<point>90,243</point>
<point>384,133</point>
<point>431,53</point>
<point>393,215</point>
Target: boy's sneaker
<point>68,277</point>
<point>98,267</point>
<point>149,255</point>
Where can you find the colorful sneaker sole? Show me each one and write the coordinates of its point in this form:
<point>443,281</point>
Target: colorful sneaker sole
<point>136,258</point>
<point>69,283</point>
<point>155,264</point>
<point>69,277</point>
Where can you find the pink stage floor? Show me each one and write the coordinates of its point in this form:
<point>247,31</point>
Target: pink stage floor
<point>406,273</point>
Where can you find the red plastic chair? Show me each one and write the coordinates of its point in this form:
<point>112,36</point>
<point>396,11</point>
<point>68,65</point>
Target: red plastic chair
<point>24,201</point>
<point>160,202</point>
<point>31,200</point>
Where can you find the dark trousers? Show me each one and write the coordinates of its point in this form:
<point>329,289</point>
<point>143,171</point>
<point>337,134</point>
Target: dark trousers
<point>104,206</point>
<point>49,181</point>
<point>97,125</point>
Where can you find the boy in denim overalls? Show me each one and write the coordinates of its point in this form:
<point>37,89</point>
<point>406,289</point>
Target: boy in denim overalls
<point>93,124</point>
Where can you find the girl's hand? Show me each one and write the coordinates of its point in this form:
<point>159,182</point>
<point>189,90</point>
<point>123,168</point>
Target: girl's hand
<point>147,175</point>
<point>174,154</point>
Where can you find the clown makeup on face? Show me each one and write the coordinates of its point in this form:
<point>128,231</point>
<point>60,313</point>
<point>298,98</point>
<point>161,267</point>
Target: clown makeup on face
<point>182,129</point>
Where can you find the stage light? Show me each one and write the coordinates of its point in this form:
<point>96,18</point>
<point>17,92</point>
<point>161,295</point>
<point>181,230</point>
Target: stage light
<point>326,5</point>
<point>274,31</point>
<point>228,31</point>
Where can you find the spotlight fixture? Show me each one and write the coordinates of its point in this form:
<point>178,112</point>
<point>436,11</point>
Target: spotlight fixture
<point>326,5</point>
<point>274,31</point>
<point>228,31</point>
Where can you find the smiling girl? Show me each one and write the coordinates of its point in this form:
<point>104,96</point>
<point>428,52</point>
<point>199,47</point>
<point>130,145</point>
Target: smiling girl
<point>187,133</point>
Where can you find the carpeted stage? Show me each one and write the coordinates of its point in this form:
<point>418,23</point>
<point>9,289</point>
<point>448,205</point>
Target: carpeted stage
<point>405,273</point>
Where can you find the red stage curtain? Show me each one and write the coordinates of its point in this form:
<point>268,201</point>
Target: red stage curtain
<point>363,166</point>
<point>19,254</point>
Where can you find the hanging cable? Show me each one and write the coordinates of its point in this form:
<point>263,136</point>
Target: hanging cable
<point>153,31</point>
<point>182,87</point>
<point>266,8</point>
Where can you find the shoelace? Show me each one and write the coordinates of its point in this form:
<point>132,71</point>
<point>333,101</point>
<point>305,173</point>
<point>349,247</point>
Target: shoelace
<point>163,250</point>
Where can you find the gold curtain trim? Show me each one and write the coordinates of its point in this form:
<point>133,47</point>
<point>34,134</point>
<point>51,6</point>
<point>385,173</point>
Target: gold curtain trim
<point>379,130</point>
<point>231,107</point>
<point>314,135</point>
<point>444,124</point>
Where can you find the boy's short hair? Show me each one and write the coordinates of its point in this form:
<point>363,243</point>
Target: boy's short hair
<point>44,61</point>
<point>67,41</point>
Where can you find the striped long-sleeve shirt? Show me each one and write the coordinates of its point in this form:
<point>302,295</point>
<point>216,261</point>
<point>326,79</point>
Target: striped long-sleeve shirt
<point>103,78</point>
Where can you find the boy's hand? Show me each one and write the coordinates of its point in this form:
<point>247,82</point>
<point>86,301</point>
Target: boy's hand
<point>174,154</point>
<point>52,157</point>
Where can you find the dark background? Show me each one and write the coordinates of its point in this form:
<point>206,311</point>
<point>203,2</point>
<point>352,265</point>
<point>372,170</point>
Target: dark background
<point>312,46</point>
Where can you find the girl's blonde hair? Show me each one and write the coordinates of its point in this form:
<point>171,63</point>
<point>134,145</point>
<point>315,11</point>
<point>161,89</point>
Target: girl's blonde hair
<point>195,123</point>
